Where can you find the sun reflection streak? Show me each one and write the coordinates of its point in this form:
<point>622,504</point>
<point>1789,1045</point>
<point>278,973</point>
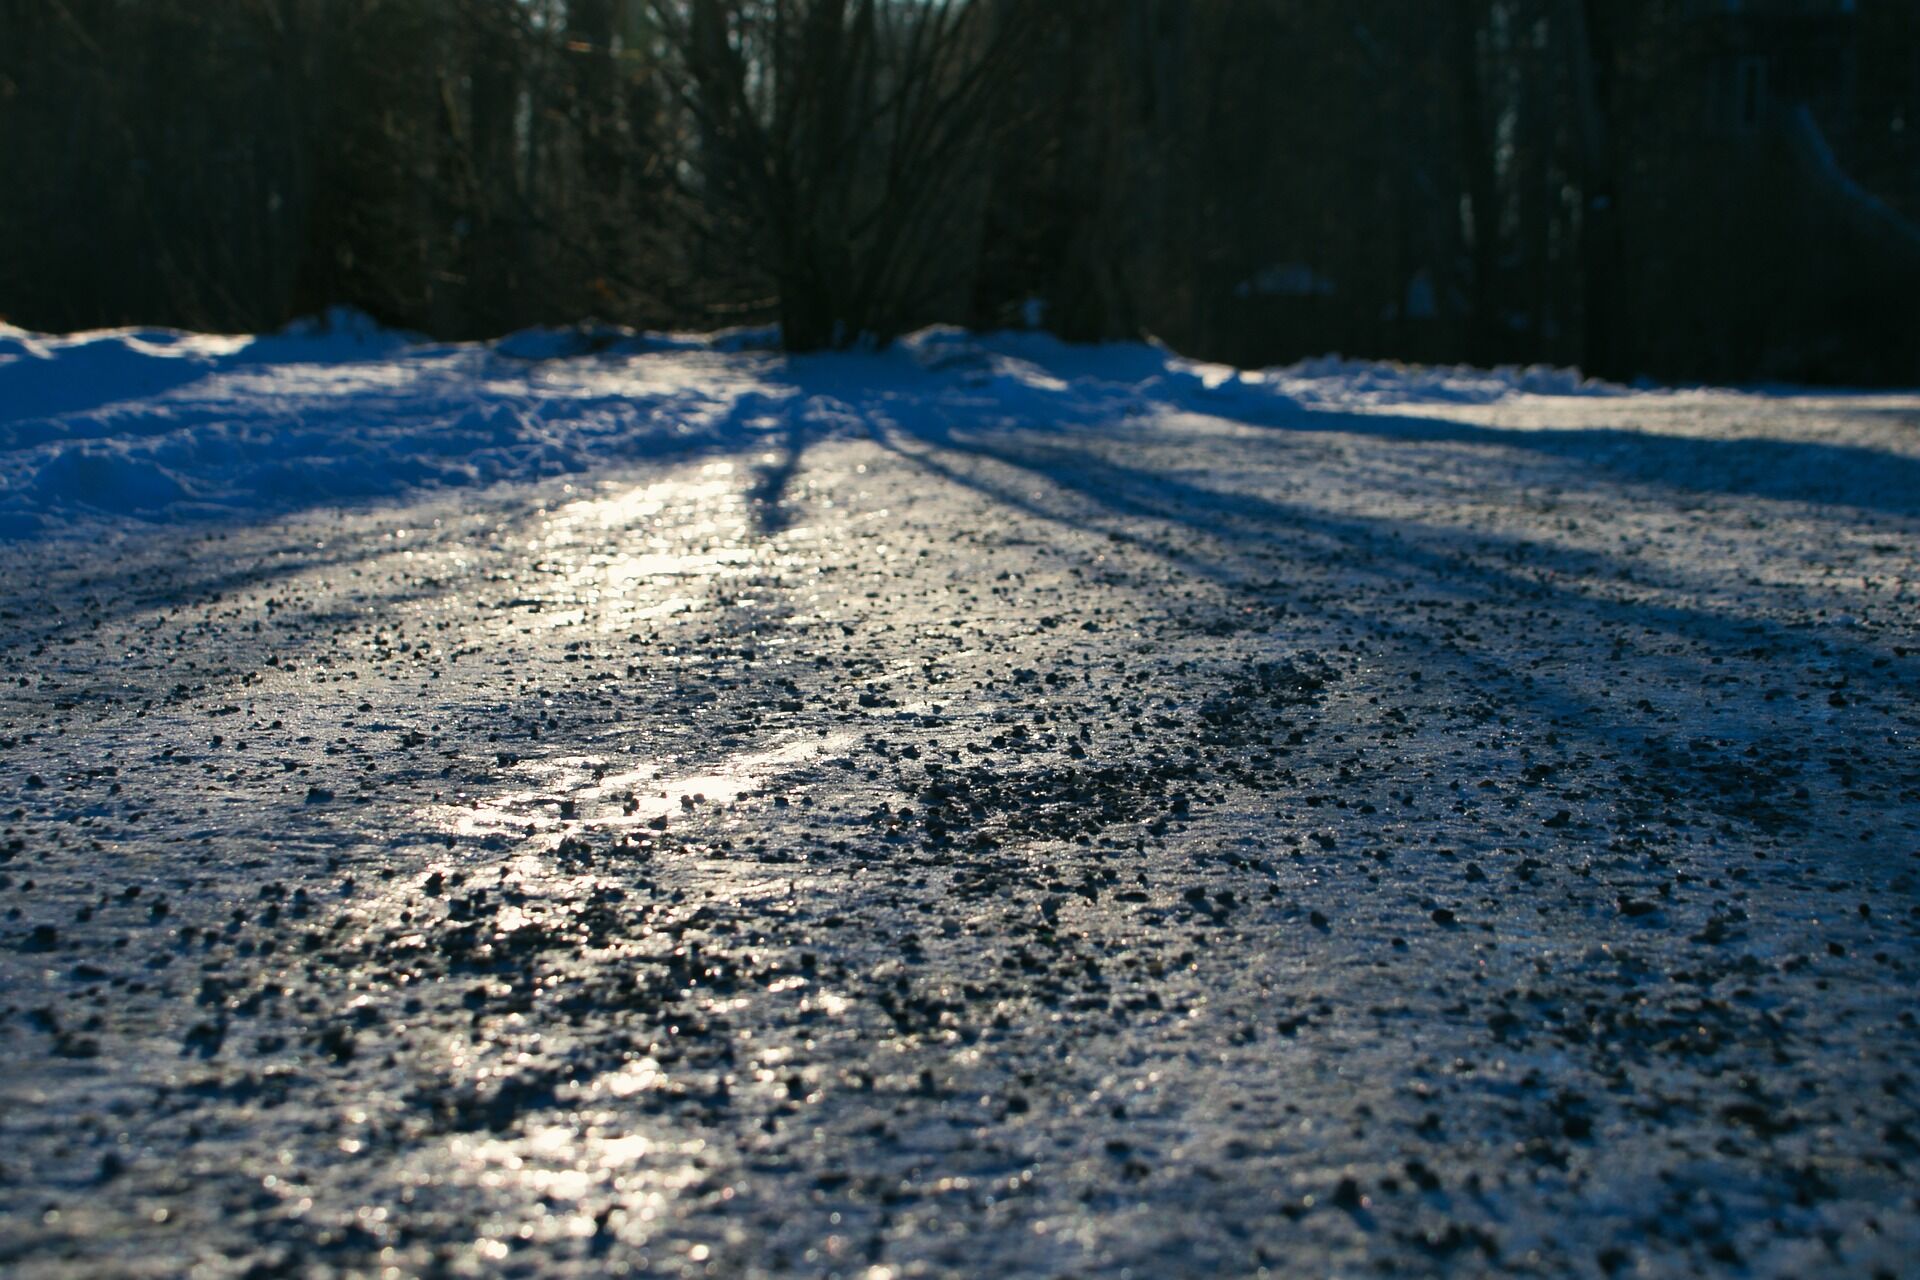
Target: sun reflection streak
<point>605,561</point>
<point>626,556</point>
<point>596,799</point>
<point>611,560</point>
<point>641,1076</point>
<point>569,1164</point>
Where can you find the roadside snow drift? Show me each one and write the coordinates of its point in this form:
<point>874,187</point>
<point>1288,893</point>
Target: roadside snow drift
<point>160,425</point>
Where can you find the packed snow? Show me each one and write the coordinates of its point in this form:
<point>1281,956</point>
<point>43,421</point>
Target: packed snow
<point>602,803</point>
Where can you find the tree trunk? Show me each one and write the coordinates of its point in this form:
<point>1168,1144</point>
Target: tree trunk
<point>1590,43</point>
<point>1483,223</point>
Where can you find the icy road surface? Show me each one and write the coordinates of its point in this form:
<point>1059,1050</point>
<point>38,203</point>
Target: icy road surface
<point>1343,823</point>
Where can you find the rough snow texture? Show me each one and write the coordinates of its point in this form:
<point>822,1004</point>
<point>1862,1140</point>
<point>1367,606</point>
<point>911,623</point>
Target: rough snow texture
<point>159,425</point>
<point>986,808</point>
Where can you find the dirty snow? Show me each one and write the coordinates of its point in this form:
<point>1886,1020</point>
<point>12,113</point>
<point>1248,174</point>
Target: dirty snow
<point>605,803</point>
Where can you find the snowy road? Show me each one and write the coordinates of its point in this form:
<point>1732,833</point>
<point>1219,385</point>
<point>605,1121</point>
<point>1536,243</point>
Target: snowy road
<point>1453,834</point>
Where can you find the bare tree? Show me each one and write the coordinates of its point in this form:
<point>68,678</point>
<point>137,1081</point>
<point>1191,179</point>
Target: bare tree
<point>836,145</point>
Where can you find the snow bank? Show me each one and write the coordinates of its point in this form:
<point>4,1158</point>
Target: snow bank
<point>1340,383</point>
<point>159,425</point>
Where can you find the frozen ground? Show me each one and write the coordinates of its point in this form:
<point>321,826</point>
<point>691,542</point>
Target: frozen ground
<point>606,805</point>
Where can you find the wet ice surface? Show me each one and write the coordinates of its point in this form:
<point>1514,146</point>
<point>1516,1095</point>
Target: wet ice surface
<point>1474,838</point>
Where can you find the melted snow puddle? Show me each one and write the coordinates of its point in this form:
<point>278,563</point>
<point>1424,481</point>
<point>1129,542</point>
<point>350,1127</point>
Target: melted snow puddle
<point>568,793</point>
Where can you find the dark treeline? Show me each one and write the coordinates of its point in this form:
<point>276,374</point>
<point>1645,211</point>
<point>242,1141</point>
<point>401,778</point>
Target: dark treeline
<point>1681,188</point>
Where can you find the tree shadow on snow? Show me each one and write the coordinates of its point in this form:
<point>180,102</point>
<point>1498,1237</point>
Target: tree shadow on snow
<point>1381,569</point>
